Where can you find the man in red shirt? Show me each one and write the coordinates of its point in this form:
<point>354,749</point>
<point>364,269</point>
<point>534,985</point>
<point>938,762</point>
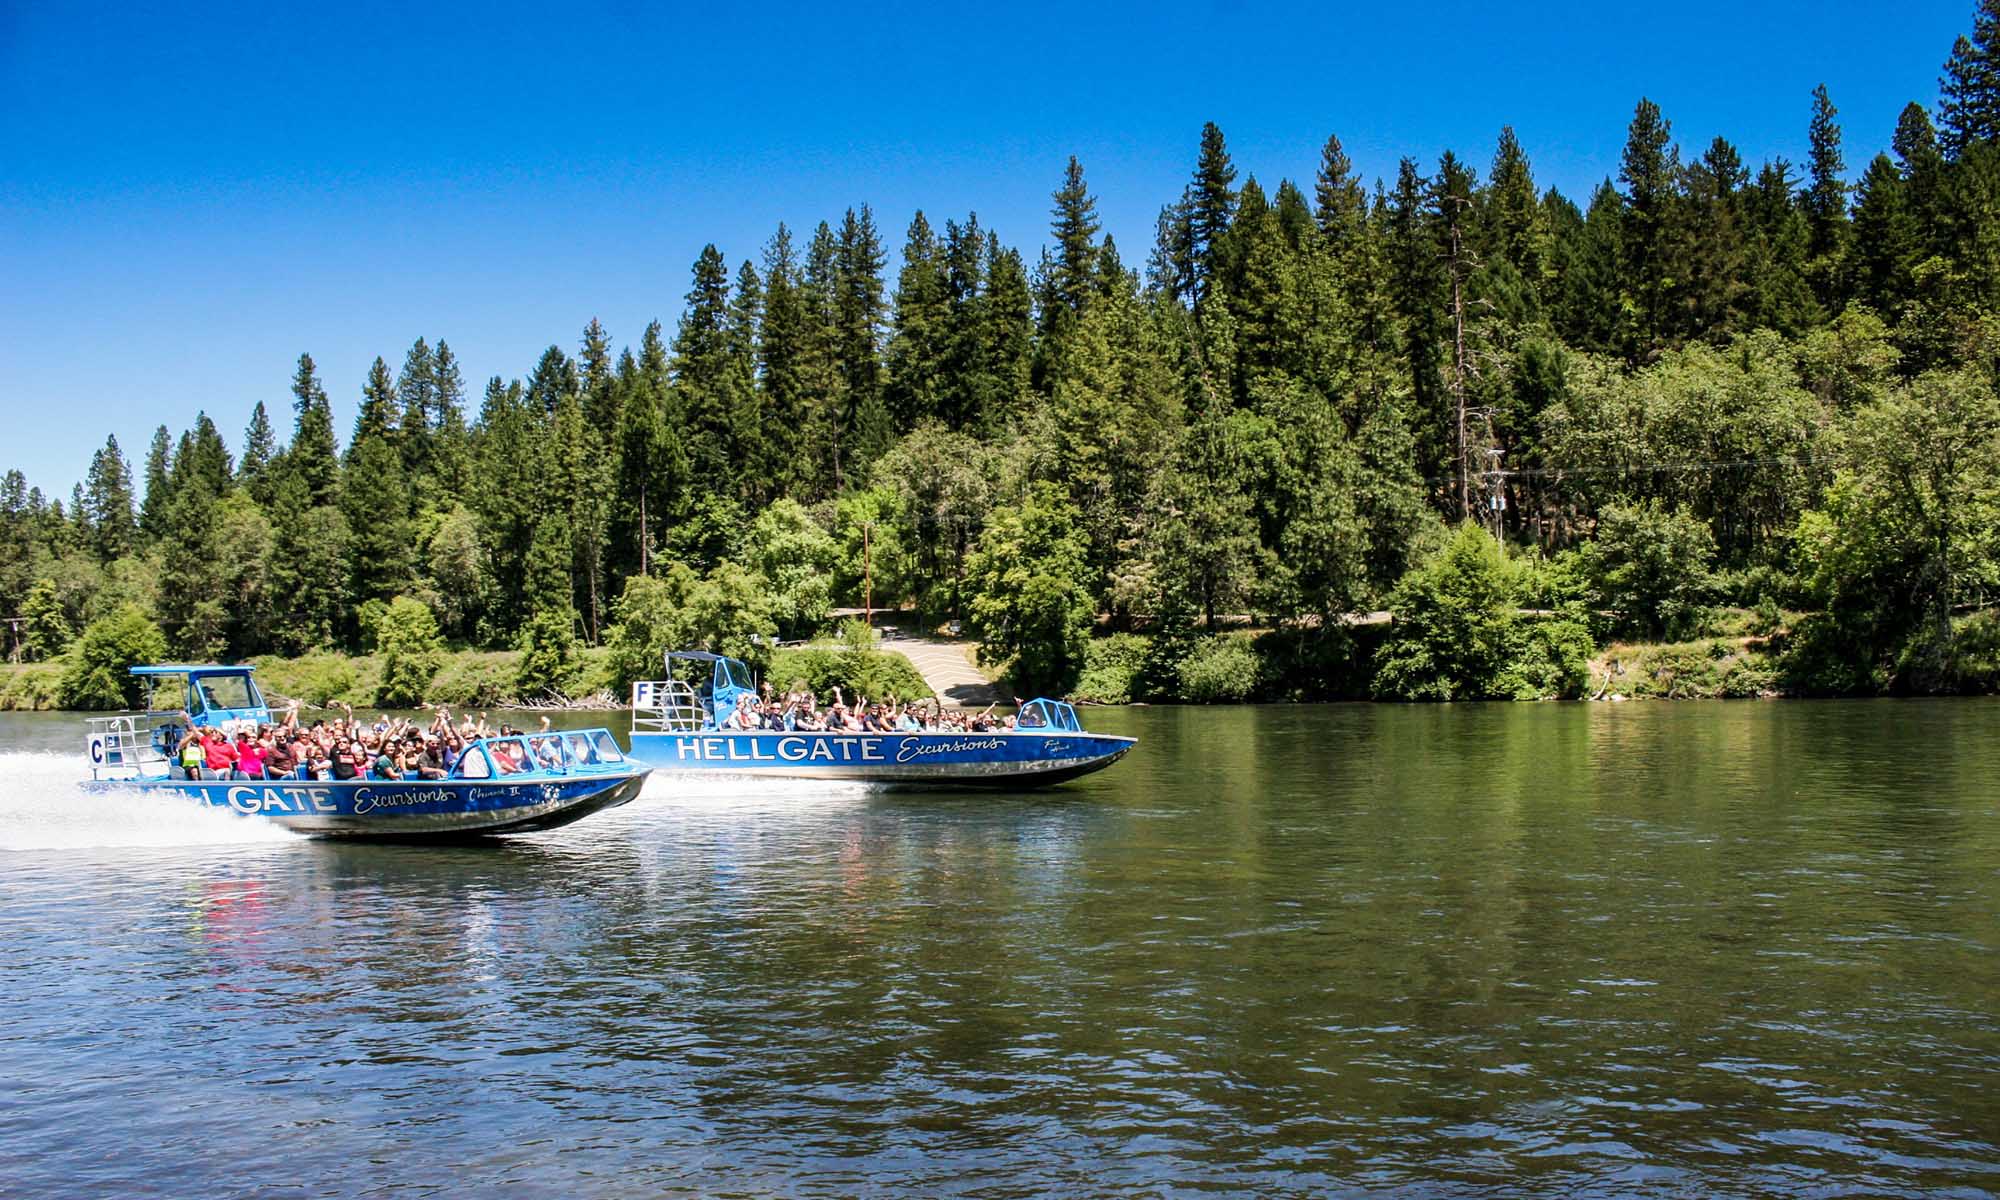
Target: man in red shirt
<point>218,755</point>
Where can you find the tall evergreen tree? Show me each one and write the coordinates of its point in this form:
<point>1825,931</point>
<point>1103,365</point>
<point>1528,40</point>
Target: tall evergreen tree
<point>1969,102</point>
<point>1510,211</point>
<point>450,440</point>
<point>376,420</point>
<point>260,448</point>
<point>416,392</point>
<point>858,313</point>
<point>313,454</point>
<point>1650,171</point>
<point>782,356</point>
<point>1211,205</point>
<point>917,341</point>
<point>1075,227</point>
<point>1888,242</point>
<point>108,503</point>
<point>159,463</point>
<point>1826,201</point>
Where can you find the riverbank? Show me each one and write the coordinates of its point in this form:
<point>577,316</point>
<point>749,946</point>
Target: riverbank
<point>486,679</point>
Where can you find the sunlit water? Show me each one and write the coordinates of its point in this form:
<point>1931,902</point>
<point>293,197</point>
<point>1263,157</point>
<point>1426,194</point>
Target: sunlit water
<point>1738,949</point>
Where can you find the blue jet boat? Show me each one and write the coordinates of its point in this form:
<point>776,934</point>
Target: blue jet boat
<point>677,725</point>
<point>507,784</point>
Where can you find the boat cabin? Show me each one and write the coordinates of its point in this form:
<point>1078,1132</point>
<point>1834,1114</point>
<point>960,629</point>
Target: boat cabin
<point>699,691</point>
<point>213,696</point>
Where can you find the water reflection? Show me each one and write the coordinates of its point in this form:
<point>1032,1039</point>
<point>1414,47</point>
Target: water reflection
<point>1470,949</point>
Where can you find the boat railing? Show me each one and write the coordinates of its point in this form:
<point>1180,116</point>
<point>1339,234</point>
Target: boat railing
<point>123,743</point>
<point>666,706</point>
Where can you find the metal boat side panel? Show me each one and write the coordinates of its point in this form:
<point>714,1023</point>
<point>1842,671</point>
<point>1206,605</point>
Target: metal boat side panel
<point>926,759</point>
<point>371,808</point>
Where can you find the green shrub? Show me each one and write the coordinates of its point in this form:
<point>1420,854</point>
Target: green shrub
<point>548,654</point>
<point>98,673</point>
<point>1655,568</point>
<point>476,680</point>
<point>1111,668</point>
<point>871,673</point>
<point>31,687</point>
<point>407,636</point>
<point>1976,653</point>
<point>1552,661</point>
<point>317,679</point>
<point>1326,663</point>
<point>1221,670</point>
<point>1454,628</point>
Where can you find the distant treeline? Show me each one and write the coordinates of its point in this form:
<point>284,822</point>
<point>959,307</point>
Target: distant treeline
<point>1707,384</point>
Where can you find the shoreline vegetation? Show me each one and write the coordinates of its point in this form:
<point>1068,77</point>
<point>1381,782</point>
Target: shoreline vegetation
<point>1737,654</point>
<point>1713,429</point>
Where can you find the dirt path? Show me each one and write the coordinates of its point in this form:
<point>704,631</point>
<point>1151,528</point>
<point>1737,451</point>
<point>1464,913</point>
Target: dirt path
<point>947,670</point>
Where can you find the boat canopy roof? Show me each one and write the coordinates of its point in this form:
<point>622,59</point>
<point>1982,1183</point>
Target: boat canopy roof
<point>192,669</point>
<point>697,655</point>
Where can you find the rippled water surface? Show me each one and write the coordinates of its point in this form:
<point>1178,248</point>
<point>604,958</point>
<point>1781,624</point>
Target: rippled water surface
<point>1741,949</point>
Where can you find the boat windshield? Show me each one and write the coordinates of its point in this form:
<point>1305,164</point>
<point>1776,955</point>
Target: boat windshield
<point>227,692</point>
<point>737,675</point>
<point>607,747</point>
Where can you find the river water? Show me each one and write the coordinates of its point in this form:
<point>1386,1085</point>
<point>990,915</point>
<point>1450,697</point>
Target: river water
<point>1642,949</point>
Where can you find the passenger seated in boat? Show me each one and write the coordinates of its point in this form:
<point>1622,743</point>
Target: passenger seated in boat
<point>191,754</point>
<point>218,756</point>
<point>345,762</point>
<point>743,716</point>
<point>548,751</point>
<point>249,757</point>
<point>509,758</point>
<point>279,760</point>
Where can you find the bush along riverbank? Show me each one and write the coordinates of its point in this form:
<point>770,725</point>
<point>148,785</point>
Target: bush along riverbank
<point>1471,623</point>
<point>476,679</point>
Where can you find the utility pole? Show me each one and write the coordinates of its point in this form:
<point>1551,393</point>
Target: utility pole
<point>1496,493</point>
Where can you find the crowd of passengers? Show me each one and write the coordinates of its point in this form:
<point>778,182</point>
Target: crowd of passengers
<point>392,748</point>
<point>800,710</point>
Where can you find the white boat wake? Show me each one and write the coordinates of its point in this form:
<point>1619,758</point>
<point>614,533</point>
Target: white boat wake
<point>43,806</point>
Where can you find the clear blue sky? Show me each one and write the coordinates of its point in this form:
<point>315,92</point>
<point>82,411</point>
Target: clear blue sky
<point>192,195</point>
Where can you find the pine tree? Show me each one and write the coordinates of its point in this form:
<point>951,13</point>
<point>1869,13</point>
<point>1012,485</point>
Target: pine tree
<point>858,312</point>
<point>1922,166</point>
<point>1650,171</point>
<point>701,369</point>
<point>201,461</point>
<point>108,501</point>
<point>1969,104</point>
<point>1075,227</point>
<point>1510,212</point>
<point>1826,201</point>
<point>313,456</point>
<point>416,391</point>
<point>917,341</point>
<point>1211,204</point>
<point>1421,296</point>
<point>782,354</point>
<point>1716,286</point>
<point>260,447</point>
<point>450,440</point>
<point>376,420</point>
<point>594,361</point>
<point>1006,339</point>
<point>159,463</point>
<point>964,386</point>
<point>1888,243</point>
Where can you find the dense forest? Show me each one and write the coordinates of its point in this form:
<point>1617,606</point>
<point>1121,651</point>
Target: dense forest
<point>1519,423</point>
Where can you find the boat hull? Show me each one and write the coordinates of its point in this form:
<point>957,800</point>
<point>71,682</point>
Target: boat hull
<point>994,760</point>
<point>403,810</point>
